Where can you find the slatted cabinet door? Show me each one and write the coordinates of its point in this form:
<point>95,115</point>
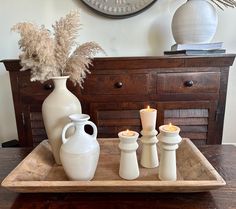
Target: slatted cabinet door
<point>111,118</point>
<point>33,124</point>
<point>195,119</point>
<point>37,125</point>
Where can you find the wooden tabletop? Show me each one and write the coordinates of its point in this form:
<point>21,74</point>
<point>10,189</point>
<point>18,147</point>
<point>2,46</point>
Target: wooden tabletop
<point>222,157</point>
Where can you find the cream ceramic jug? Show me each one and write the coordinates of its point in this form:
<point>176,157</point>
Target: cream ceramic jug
<point>80,152</point>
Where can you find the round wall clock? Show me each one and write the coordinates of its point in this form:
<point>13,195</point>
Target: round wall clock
<point>119,8</point>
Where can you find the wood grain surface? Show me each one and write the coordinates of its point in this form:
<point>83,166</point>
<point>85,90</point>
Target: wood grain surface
<point>220,156</point>
<point>39,173</point>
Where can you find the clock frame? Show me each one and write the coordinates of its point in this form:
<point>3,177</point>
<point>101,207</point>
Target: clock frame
<point>119,8</point>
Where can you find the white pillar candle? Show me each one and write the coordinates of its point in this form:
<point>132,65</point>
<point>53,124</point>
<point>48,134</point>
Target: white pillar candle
<point>148,118</point>
<point>169,139</point>
<point>128,145</point>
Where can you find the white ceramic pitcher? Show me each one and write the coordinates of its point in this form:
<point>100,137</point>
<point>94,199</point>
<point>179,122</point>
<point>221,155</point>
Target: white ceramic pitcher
<point>80,152</point>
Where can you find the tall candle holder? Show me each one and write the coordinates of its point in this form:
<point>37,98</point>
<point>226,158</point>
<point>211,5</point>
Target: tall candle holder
<point>169,139</point>
<point>128,145</point>
<point>149,156</point>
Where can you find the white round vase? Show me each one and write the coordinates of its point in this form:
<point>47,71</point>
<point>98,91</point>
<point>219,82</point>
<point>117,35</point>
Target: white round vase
<point>56,108</point>
<point>194,22</point>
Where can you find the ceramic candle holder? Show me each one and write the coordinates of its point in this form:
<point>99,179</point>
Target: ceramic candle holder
<point>149,156</point>
<point>128,145</point>
<point>169,139</point>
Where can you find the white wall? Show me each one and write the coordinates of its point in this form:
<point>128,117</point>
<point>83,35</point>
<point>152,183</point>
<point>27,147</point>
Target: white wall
<point>148,33</point>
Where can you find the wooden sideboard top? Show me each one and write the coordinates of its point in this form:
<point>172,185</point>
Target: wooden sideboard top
<point>222,60</point>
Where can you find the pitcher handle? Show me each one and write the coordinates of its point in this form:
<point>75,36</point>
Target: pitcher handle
<point>63,135</point>
<point>95,130</point>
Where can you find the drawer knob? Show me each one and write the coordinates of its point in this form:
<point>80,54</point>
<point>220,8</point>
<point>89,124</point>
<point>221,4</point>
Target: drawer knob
<point>118,84</point>
<point>48,86</point>
<point>188,83</point>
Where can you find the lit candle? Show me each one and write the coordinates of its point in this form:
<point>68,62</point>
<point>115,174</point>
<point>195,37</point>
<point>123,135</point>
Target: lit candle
<point>148,109</point>
<point>149,157</point>
<point>169,139</point>
<point>170,128</point>
<point>148,118</point>
<point>128,133</point>
<point>128,159</point>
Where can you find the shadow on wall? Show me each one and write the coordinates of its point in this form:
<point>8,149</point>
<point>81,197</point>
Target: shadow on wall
<point>156,39</point>
<point>160,34</point>
<point>8,129</point>
<point>160,37</point>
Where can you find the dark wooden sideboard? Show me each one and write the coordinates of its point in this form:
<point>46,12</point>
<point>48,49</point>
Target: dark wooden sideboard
<point>188,91</point>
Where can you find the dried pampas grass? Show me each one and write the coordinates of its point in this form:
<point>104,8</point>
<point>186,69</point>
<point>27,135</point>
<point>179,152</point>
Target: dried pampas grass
<point>48,55</point>
<point>224,3</point>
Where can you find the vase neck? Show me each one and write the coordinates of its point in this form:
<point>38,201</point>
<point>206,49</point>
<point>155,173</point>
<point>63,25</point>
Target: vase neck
<point>80,127</point>
<point>60,82</point>
<point>80,120</point>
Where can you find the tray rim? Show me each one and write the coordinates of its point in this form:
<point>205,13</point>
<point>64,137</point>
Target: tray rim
<point>57,186</point>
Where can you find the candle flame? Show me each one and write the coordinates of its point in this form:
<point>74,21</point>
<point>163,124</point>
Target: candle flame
<point>128,133</point>
<point>149,109</point>
<point>171,127</point>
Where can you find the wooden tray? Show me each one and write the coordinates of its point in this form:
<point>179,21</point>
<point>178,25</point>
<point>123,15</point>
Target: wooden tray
<point>38,173</point>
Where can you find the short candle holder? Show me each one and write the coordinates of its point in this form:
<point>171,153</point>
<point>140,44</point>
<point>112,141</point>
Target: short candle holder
<point>128,145</point>
<point>149,157</point>
<point>169,139</point>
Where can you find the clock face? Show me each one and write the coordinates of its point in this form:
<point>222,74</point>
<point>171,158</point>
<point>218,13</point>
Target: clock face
<point>119,8</point>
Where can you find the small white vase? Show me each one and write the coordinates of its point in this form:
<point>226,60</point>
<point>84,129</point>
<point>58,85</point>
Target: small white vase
<point>80,152</point>
<point>194,22</point>
<point>55,110</point>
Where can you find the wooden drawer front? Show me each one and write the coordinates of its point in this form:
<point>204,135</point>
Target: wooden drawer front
<point>34,88</point>
<point>202,82</point>
<point>117,84</point>
<point>31,89</point>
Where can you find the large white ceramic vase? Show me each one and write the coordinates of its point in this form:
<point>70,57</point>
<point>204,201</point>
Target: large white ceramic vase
<point>194,22</point>
<point>56,108</point>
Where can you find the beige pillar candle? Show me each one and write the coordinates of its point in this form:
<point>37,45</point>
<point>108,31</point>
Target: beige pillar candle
<point>148,118</point>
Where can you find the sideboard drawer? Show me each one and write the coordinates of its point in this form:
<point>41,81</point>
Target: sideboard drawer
<point>188,83</point>
<point>36,90</point>
<point>137,83</point>
<point>29,88</point>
